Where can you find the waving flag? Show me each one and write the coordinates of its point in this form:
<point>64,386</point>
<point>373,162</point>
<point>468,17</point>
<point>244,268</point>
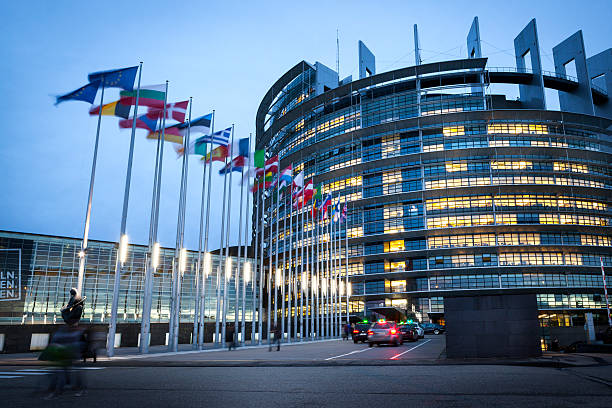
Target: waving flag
<point>176,132</point>
<point>112,109</point>
<point>176,111</point>
<point>285,177</point>
<point>336,211</point>
<point>271,166</point>
<point>150,95</point>
<point>265,182</point>
<point>326,202</point>
<point>344,213</point>
<point>142,122</point>
<point>236,164</point>
<point>85,93</point>
<point>304,195</point>
<point>298,183</point>
<point>241,147</point>
<point>218,154</point>
<point>116,78</point>
<point>317,197</point>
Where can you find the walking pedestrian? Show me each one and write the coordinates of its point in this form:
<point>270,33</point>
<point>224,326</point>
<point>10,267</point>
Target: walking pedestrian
<point>229,337</point>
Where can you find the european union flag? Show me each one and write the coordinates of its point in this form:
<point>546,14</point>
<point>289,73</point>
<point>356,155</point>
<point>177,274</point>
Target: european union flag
<point>116,78</point>
<point>85,93</point>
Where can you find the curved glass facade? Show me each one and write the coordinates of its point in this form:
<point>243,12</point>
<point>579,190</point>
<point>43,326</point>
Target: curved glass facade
<point>452,189</point>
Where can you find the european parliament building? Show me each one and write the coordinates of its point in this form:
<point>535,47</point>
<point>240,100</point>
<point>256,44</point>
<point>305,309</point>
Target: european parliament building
<point>454,189</point>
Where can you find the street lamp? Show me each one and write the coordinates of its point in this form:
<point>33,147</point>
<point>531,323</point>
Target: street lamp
<point>207,264</point>
<point>247,272</point>
<point>155,256</point>
<point>123,248</point>
<point>182,260</point>
<point>228,268</point>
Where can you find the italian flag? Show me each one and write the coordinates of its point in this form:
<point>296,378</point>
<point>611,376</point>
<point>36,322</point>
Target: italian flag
<point>151,95</point>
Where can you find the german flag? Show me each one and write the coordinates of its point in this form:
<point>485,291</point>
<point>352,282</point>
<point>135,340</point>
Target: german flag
<point>112,109</point>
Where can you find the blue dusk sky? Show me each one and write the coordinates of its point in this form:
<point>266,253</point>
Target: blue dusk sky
<point>225,55</point>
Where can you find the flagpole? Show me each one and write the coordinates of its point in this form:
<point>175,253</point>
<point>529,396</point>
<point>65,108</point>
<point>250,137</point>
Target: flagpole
<point>227,234</point>
<point>346,273</point>
<point>276,272</point>
<point>256,259</point>
<point>312,266</point>
<point>204,275</point>
<point>246,239</point>
<point>145,326</point>
<point>197,323</point>
<point>283,291</point>
<point>291,259</point>
<point>218,341</point>
<point>306,272</point>
<point>302,266</point>
<point>309,276</point>
<point>340,283</point>
<point>239,257</point>
<point>328,293</point>
<point>269,287</point>
<point>261,264</point>
<point>318,275</point>
<point>333,271</point>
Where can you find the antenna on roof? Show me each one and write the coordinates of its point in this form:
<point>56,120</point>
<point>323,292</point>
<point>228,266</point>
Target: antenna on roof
<point>417,50</point>
<point>337,53</point>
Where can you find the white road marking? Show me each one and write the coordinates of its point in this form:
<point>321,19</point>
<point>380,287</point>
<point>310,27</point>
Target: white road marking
<point>410,349</point>
<point>9,376</point>
<point>352,352</point>
<point>20,373</point>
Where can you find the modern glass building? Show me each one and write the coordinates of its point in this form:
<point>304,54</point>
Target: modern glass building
<point>453,188</point>
<point>49,268</point>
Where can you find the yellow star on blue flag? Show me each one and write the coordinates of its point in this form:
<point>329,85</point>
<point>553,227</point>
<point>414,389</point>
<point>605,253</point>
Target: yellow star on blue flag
<point>116,78</point>
<point>85,93</point>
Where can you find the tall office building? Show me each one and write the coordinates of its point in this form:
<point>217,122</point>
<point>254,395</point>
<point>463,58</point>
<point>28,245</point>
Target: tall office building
<point>452,188</point>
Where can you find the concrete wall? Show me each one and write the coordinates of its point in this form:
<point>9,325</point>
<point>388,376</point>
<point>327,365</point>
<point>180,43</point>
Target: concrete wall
<point>17,338</point>
<point>492,326</point>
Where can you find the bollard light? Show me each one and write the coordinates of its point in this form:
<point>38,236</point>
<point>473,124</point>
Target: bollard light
<point>123,248</point>
<point>228,268</point>
<point>247,272</point>
<point>207,264</point>
<point>155,256</point>
<point>182,260</point>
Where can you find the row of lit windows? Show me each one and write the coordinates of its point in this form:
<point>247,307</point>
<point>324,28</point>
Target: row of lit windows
<point>433,184</point>
<point>514,200</point>
<point>475,240</point>
<point>472,220</point>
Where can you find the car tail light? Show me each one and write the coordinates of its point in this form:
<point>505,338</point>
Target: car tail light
<point>393,331</point>
<point>355,331</point>
<point>370,332</point>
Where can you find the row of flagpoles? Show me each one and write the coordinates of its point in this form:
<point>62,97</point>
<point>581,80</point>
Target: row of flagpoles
<point>319,282</point>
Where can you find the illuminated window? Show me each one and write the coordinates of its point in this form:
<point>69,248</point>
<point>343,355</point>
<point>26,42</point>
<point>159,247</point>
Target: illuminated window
<point>511,165</point>
<point>517,128</point>
<point>453,131</point>
<point>395,266</point>
<point>398,286</point>
<point>456,166</point>
<point>355,232</point>
<point>394,246</point>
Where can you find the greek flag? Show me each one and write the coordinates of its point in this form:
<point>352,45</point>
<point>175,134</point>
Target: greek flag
<point>221,137</point>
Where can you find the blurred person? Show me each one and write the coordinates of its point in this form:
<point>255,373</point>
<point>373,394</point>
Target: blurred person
<point>72,312</point>
<point>277,337</point>
<point>229,337</point>
<point>346,332</point>
<point>65,347</point>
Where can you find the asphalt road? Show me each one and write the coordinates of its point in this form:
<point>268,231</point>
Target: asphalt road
<point>352,385</point>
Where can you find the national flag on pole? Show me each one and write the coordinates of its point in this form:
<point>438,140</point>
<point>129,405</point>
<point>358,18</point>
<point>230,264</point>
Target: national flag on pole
<point>241,147</point>
<point>336,211</point>
<point>236,164</point>
<point>176,132</point>
<point>259,159</point>
<point>304,195</point>
<point>150,95</point>
<point>271,166</point>
<point>325,204</point>
<point>142,122</point>
<point>317,197</point>
<point>116,78</point>
<point>265,182</point>
<point>344,213</point>
<point>85,93</point>
<point>218,154</point>
<point>285,177</point>
<point>176,111</point>
<point>298,183</point>
<point>112,109</point>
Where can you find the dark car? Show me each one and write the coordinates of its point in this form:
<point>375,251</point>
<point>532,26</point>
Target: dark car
<point>430,328</point>
<point>360,332</point>
<point>383,332</point>
<point>409,332</point>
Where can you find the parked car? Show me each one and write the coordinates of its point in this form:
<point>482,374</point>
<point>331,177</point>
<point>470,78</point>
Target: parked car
<point>360,332</point>
<point>419,330</point>
<point>383,332</point>
<point>430,328</point>
<point>409,332</point>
